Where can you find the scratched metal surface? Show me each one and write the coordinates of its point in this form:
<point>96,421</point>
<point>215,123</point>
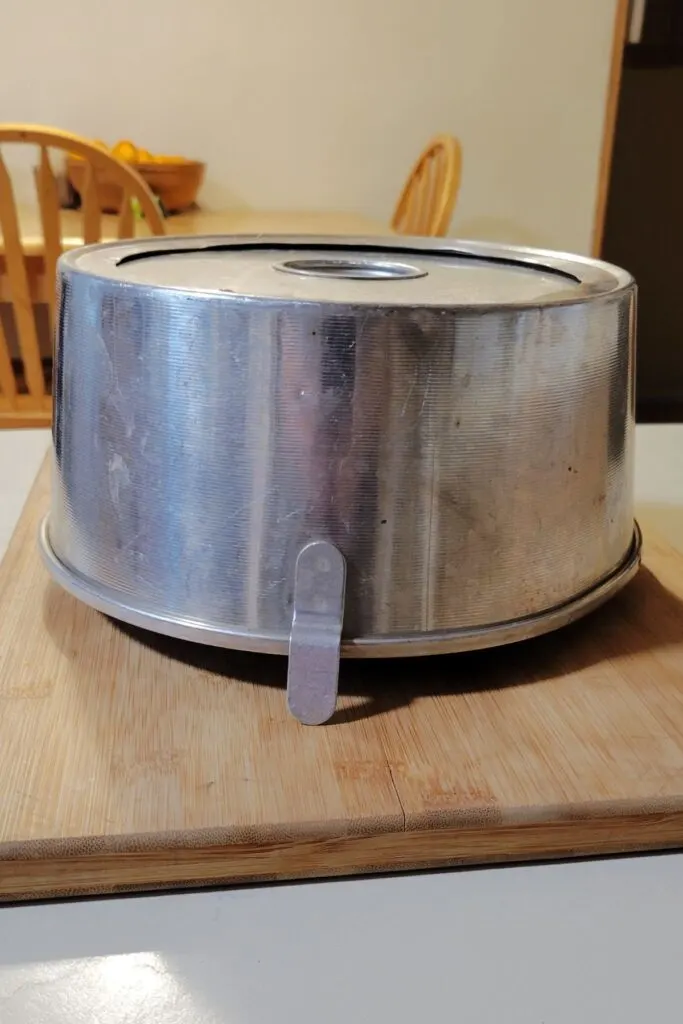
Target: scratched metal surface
<point>472,461</point>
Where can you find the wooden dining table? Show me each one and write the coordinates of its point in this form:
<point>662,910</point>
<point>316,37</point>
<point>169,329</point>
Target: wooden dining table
<point>206,222</point>
<point>192,222</point>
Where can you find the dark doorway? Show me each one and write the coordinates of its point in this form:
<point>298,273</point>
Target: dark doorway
<point>644,217</point>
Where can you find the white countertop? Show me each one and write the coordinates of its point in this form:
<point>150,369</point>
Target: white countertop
<point>588,942</point>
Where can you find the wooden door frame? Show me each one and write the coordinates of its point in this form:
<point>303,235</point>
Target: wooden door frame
<point>610,122</point>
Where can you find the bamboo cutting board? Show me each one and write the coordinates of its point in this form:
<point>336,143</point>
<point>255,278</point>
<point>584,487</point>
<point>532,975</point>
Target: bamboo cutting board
<point>130,761</point>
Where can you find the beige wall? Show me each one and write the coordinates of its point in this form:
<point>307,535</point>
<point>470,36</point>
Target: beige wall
<point>324,103</point>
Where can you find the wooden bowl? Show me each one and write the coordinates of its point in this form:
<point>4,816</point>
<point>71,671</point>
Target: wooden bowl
<point>109,193</point>
<point>175,184</point>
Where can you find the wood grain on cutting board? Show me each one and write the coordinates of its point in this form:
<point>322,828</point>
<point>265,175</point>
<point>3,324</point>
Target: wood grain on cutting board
<point>134,761</point>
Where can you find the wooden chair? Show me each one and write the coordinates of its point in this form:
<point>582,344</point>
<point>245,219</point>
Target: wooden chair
<point>27,272</point>
<point>426,204</point>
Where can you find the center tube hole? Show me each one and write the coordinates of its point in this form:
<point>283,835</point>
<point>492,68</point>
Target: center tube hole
<point>358,269</point>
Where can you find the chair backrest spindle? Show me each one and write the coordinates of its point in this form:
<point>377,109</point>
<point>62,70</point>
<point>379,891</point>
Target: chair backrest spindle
<point>426,204</point>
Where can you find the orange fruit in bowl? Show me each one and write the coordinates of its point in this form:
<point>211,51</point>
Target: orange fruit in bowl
<point>125,150</point>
